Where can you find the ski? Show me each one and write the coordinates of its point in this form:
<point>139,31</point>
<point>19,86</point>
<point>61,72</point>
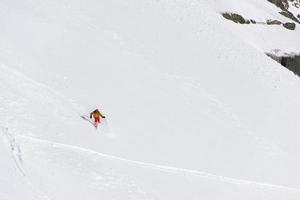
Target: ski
<point>85,117</point>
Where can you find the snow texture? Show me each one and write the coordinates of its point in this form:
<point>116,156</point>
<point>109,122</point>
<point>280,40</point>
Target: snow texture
<point>195,110</point>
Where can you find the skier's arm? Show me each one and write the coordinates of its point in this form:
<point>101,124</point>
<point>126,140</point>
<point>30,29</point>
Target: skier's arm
<point>91,115</point>
<point>102,115</point>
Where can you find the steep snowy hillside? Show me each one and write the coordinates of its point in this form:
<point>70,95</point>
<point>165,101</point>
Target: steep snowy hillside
<point>194,108</point>
<point>265,34</point>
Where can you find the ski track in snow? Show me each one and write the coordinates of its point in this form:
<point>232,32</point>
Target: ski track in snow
<point>163,168</point>
<point>16,155</point>
<point>15,150</point>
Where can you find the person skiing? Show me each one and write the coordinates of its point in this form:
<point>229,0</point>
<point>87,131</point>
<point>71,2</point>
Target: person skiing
<point>96,114</point>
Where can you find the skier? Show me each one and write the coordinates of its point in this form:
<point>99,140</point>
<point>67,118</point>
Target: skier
<point>96,114</point>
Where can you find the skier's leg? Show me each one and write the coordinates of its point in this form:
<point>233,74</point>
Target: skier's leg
<point>97,121</point>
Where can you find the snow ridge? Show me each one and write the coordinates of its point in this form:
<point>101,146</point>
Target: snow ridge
<point>168,169</point>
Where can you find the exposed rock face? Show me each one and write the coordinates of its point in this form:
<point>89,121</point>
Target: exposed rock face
<point>289,9</point>
<point>290,62</point>
<point>273,22</point>
<point>239,19</point>
<point>295,3</point>
<point>283,4</point>
<point>290,15</point>
<point>236,18</point>
<point>290,26</point>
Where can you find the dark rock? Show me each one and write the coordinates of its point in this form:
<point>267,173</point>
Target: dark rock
<point>291,62</point>
<point>235,18</point>
<point>290,25</point>
<point>289,15</point>
<point>273,22</point>
<point>283,4</point>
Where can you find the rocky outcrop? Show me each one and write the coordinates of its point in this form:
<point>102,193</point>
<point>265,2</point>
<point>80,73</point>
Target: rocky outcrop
<point>291,62</point>
<point>290,25</point>
<point>236,18</point>
<point>273,22</point>
<point>239,19</point>
<point>283,4</point>
<point>290,16</point>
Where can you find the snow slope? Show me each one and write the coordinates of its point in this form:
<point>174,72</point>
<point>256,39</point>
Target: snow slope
<point>266,38</point>
<point>52,171</point>
<point>193,111</point>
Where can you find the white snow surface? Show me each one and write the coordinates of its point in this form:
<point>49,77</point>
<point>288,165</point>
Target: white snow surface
<point>195,110</point>
<point>266,38</point>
